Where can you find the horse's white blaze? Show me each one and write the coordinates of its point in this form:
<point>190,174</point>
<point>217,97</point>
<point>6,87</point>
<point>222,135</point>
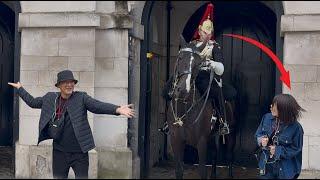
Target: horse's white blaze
<point>189,76</point>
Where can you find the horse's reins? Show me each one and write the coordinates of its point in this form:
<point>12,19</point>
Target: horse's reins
<point>208,92</point>
<point>178,120</point>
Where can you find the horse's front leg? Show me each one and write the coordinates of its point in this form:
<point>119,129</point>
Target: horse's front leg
<point>178,153</point>
<point>214,153</point>
<point>202,154</point>
<point>230,140</point>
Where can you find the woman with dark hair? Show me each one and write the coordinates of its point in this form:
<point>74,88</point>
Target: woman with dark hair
<point>280,137</point>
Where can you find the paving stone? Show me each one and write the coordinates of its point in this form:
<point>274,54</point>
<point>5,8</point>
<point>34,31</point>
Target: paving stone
<point>6,163</point>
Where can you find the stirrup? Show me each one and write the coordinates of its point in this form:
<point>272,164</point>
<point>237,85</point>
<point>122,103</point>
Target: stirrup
<point>213,119</point>
<point>224,129</point>
<point>164,129</point>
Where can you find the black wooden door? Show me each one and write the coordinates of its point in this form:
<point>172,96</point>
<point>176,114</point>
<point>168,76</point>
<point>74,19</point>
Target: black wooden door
<point>250,71</point>
<point>6,92</point>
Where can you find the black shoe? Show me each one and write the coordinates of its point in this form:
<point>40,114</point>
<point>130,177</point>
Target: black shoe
<point>164,129</point>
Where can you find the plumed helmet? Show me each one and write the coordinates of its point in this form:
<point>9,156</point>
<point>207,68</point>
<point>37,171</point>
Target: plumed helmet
<point>207,26</point>
<point>206,23</point>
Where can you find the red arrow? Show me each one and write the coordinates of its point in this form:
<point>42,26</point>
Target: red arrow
<point>285,75</point>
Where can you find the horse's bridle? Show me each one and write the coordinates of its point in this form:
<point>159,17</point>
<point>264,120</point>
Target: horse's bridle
<point>178,75</point>
<point>178,120</point>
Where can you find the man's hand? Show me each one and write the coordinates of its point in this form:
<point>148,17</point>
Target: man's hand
<point>16,85</point>
<point>126,110</point>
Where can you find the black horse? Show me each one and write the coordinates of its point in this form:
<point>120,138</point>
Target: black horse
<point>192,117</point>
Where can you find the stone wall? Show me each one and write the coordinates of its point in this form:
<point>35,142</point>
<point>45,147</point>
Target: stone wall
<point>300,27</point>
<point>136,35</point>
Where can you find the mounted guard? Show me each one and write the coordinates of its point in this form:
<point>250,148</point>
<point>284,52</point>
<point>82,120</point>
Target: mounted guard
<point>212,58</point>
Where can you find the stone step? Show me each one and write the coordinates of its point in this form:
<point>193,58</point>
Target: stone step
<point>36,162</point>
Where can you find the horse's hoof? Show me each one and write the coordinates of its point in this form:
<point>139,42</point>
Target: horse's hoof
<point>231,175</point>
<point>213,176</point>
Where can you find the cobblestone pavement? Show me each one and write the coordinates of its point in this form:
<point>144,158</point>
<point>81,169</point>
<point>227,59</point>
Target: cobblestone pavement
<point>6,163</point>
<point>310,174</point>
<point>166,171</point>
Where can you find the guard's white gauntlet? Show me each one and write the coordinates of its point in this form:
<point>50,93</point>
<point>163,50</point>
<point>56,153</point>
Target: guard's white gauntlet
<point>217,66</point>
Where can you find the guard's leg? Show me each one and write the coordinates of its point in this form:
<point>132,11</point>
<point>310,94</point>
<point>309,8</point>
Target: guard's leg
<point>214,152</point>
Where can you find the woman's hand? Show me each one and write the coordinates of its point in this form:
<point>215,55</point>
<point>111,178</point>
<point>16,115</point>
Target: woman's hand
<point>126,110</point>
<point>264,141</point>
<point>16,85</point>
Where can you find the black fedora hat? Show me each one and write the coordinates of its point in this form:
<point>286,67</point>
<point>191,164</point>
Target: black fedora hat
<point>65,75</point>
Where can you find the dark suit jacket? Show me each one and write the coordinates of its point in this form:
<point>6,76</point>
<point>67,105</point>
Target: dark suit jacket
<point>78,104</point>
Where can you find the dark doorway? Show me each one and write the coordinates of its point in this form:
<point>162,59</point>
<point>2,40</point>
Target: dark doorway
<point>7,29</point>
<point>247,68</point>
<point>9,107</point>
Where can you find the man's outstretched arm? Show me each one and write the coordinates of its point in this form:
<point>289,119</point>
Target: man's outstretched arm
<point>98,107</point>
<point>30,100</point>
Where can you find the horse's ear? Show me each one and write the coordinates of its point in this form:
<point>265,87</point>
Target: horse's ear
<point>183,42</point>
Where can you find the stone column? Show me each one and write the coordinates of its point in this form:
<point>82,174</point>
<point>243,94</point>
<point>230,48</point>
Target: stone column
<point>300,27</point>
<point>136,35</point>
<point>111,85</point>
<point>54,36</point>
